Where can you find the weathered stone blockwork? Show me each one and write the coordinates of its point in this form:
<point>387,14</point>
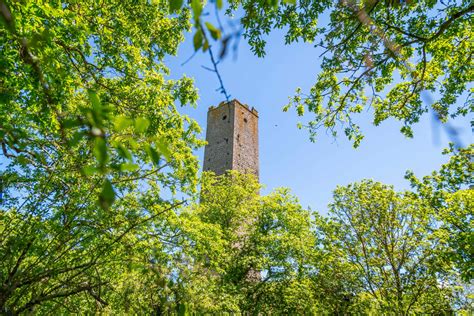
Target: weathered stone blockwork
<point>232,137</point>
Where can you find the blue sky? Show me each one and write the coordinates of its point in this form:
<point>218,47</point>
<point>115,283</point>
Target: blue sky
<point>287,157</point>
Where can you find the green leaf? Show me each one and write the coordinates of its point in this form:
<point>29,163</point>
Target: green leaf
<point>124,152</point>
<point>89,170</point>
<point>141,124</point>
<point>219,4</point>
<point>107,196</point>
<point>196,6</point>
<point>128,167</point>
<point>182,309</point>
<point>175,5</point>
<point>197,40</point>
<point>153,154</point>
<point>95,101</point>
<point>163,147</point>
<point>300,109</point>
<point>215,32</point>
<point>95,115</point>
<point>407,131</point>
<point>100,150</point>
<point>290,1</point>
<point>122,122</point>
<point>205,46</point>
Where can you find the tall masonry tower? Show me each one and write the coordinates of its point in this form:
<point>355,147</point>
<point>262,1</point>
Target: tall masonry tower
<point>232,138</point>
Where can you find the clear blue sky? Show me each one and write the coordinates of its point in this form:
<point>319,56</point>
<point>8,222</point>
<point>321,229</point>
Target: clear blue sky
<point>287,157</point>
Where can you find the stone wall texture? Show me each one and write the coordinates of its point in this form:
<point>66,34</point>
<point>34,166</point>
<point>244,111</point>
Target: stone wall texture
<point>232,139</point>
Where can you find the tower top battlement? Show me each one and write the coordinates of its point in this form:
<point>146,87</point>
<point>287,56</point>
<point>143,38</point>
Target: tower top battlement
<point>235,101</point>
<point>232,138</point>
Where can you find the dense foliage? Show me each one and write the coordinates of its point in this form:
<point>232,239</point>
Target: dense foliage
<point>94,153</point>
<point>92,141</point>
<point>398,59</point>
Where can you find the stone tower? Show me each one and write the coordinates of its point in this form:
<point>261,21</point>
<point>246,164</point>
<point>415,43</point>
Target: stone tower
<point>232,138</point>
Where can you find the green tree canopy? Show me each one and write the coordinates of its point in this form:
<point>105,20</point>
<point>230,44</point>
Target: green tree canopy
<point>400,59</point>
<point>400,252</point>
<point>92,141</point>
<point>94,150</point>
<point>449,193</point>
<point>387,237</point>
<point>253,249</point>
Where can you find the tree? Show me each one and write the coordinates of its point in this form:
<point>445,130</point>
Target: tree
<point>94,150</point>
<point>92,141</point>
<point>337,284</point>
<point>252,249</point>
<point>387,238</point>
<point>449,193</point>
<point>399,58</point>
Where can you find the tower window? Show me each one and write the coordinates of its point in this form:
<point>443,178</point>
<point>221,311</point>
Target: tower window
<point>224,117</point>
<point>245,120</point>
